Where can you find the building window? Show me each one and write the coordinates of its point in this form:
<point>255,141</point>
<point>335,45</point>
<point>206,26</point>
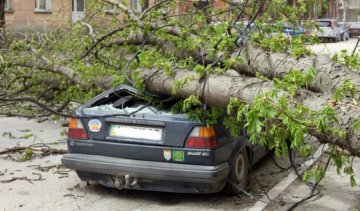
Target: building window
<point>139,5</point>
<point>8,6</point>
<point>42,5</point>
<point>136,5</point>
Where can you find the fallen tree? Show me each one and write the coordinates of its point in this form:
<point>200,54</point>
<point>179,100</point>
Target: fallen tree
<point>283,94</point>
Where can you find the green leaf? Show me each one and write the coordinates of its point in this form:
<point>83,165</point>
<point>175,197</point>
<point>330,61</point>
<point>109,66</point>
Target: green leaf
<point>356,125</point>
<point>307,175</point>
<point>26,136</point>
<point>352,181</point>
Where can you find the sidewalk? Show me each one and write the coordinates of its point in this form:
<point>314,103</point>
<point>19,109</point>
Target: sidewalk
<point>335,193</point>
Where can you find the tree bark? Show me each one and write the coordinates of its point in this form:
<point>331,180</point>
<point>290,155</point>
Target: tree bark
<point>2,25</point>
<point>275,65</point>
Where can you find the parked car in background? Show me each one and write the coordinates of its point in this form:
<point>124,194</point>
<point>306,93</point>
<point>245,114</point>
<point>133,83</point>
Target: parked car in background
<point>328,30</point>
<point>293,31</point>
<point>354,29</point>
<point>122,140</point>
<point>344,31</point>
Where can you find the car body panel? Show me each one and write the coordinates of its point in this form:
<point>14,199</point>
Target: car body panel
<point>148,169</point>
<point>328,29</point>
<point>354,29</point>
<point>293,31</point>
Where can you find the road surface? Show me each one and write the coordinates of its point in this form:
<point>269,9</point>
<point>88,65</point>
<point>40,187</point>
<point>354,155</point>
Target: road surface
<point>332,48</point>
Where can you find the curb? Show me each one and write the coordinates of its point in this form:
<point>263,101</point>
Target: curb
<point>262,203</point>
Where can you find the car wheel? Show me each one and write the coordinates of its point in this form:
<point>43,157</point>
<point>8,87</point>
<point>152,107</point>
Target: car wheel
<point>238,176</point>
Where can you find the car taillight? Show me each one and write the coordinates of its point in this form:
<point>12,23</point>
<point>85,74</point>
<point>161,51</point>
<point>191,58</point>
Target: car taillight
<point>202,138</point>
<point>76,130</point>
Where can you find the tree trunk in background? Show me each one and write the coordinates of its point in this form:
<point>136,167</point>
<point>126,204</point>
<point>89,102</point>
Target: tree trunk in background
<point>2,25</point>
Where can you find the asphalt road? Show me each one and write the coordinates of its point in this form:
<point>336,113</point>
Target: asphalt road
<point>330,48</point>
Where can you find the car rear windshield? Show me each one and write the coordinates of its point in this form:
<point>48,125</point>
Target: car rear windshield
<point>324,23</point>
<point>127,102</point>
<point>355,26</point>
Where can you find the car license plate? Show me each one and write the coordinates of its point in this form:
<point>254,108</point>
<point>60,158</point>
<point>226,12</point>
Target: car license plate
<point>136,132</point>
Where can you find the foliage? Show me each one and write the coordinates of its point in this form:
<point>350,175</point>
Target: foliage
<point>352,61</point>
<point>26,155</point>
<point>276,121</point>
<point>272,36</point>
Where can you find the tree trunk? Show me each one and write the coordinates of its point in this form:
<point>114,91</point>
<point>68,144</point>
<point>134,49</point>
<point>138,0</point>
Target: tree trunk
<point>2,25</point>
<point>275,65</point>
<point>220,88</point>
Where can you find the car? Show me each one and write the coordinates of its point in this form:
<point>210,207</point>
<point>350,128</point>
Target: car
<point>122,140</point>
<point>354,29</point>
<point>328,30</point>
<point>344,31</point>
<point>287,30</point>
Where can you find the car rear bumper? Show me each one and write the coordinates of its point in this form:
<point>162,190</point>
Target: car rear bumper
<point>327,34</point>
<point>156,176</point>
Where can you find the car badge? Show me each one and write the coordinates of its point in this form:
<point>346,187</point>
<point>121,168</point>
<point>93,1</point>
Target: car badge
<point>178,156</point>
<point>167,154</point>
<point>94,125</point>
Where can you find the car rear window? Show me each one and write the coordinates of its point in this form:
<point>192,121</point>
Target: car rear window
<point>128,102</point>
<point>324,23</point>
<point>355,26</point>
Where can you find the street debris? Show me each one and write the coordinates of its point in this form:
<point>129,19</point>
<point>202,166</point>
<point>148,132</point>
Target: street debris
<point>17,178</point>
<point>46,150</point>
<point>39,177</point>
<point>2,173</point>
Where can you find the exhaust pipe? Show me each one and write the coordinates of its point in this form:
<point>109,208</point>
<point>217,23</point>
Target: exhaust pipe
<point>119,183</point>
<point>130,181</point>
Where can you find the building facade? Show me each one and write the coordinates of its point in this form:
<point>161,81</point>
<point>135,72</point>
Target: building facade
<point>341,10</point>
<point>40,14</point>
<point>49,14</point>
<point>349,10</point>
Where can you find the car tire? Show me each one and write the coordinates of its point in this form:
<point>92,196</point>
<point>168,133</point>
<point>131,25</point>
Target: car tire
<point>239,173</point>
